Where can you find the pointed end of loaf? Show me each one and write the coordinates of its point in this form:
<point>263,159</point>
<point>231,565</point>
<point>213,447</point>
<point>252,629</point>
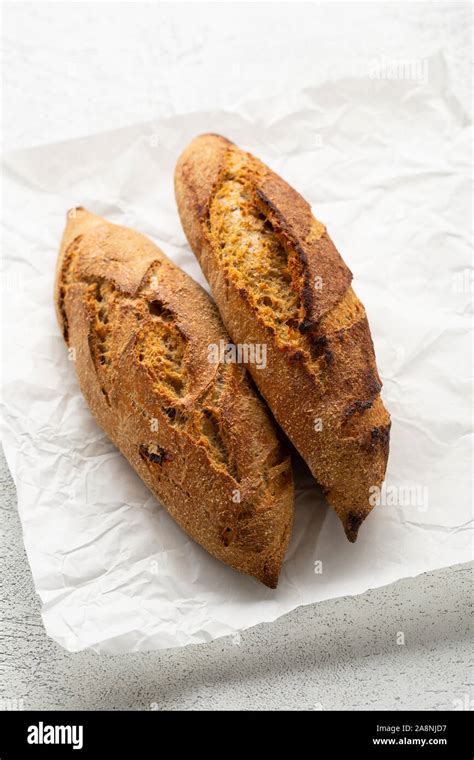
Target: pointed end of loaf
<point>271,582</point>
<point>351,525</point>
<point>269,574</point>
<point>78,221</point>
<point>355,503</point>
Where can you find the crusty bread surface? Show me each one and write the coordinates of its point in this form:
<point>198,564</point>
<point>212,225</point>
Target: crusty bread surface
<point>279,281</point>
<point>195,431</point>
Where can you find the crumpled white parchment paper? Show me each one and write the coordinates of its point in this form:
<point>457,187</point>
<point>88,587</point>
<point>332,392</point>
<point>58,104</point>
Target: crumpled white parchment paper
<point>384,164</point>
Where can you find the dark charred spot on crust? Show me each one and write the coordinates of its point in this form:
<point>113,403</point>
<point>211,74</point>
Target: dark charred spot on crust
<point>320,348</point>
<point>243,294</point>
<point>159,456</point>
<point>356,407</point>
<point>380,434</point>
<point>296,356</point>
<point>379,437</point>
<point>227,536</point>
<point>158,309</point>
<point>307,324</point>
<point>374,386</point>
<point>353,523</point>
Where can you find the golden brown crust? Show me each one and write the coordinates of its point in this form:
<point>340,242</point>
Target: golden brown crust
<point>194,431</point>
<point>278,280</point>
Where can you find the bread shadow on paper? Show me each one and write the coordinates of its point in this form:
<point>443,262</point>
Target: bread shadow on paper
<point>311,509</point>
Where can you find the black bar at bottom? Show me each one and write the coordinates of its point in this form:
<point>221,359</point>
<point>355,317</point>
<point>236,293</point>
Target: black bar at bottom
<point>109,734</point>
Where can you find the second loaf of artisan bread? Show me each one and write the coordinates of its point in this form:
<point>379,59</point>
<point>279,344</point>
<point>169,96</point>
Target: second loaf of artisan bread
<point>278,280</point>
<point>195,431</point>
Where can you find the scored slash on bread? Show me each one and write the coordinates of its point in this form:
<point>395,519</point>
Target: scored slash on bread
<point>278,280</point>
<point>195,432</point>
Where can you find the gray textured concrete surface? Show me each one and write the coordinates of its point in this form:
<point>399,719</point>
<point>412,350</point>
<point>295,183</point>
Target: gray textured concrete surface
<point>340,654</point>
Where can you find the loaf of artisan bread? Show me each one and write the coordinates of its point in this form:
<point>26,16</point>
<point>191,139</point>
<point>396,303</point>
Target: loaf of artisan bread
<point>279,281</point>
<point>139,329</point>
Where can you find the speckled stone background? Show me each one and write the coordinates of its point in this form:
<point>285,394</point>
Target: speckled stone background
<point>71,70</point>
